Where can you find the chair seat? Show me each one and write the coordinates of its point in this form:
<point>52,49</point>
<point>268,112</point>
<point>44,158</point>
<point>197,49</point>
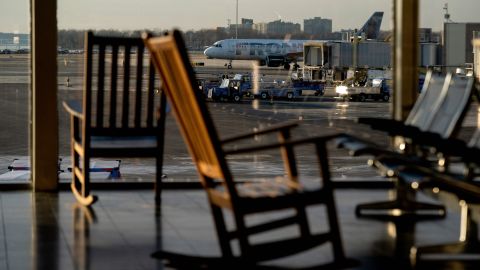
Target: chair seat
<point>389,164</point>
<point>277,194</point>
<point>134,142</point>
<point>275,188</point>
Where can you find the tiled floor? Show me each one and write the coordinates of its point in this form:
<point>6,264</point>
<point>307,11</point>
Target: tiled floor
<point>49,231</point>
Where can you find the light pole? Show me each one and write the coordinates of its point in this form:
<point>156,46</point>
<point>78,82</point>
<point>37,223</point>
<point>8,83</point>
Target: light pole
<point>236,23</point>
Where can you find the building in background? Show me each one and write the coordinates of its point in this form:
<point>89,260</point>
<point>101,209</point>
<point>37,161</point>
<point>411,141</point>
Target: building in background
<point>247,24</point>
<point>430,49</point>
<point>425,35</point>
<point>476,55</point>
<point>279,27</point>
<point>317,26</point>
<point>457,44</point>
<point>10,42</point>
<point>260,27</point>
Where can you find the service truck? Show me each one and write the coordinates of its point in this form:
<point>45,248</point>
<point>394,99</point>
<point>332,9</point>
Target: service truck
<point>377,89</point>
<point>231,89</point>
<point>292,90</point>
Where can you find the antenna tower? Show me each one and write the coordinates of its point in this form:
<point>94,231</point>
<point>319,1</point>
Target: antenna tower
<point>446,16</point>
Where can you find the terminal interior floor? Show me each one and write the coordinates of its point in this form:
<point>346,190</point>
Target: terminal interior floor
<point>121,230</point>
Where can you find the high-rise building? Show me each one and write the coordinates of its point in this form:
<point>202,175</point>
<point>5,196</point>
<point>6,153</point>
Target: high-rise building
<point>279,27</point>
<point>425,35</point>
<point>260,27</point>
<point>476,54</point>
<point>317,26</point>
<point>457,42</point>
<point>247,23</point>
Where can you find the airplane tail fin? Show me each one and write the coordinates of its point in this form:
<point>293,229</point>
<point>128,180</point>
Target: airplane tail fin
<point>371,28</point>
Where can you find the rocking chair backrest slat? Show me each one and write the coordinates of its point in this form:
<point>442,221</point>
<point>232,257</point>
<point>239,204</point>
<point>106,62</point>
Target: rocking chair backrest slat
<point>178,81</point>
<point>120,88</point>
<point>113,87</point>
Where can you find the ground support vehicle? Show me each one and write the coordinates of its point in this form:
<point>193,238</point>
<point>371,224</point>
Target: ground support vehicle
<point>231,89</point>
<point>204,86</point>
<point>292,91</point>
<point>378,90</point>
<point>278,93</point>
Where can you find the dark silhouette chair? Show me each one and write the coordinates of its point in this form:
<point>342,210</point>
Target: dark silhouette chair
<point>437,116</point>
<point>241,199</point>
<point>466,189</point>
<point>118,116</point>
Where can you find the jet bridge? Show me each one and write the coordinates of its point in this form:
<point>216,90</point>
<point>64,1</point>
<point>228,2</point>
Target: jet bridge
<point>330,61</point>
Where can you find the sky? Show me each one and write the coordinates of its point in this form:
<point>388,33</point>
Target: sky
<point>200,14</point>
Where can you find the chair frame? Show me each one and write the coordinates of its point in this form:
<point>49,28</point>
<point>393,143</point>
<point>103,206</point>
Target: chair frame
<point>207,150</point>
<point>419,138</point>
<point>418,120</point>
<point>92,136</point>
<point>467,192</point>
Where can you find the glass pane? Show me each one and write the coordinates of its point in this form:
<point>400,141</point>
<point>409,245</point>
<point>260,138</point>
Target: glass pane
<point>14,90</point>
<point>275,80</point>
<point>446,45</point>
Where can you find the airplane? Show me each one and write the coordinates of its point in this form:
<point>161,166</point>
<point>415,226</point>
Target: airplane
<point>277,52</point>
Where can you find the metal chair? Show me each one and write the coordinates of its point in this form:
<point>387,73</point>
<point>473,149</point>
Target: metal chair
<point>119,115</point>
<point>241,199</point>
<point>437,116</point>
<point>467,249</point>
<point>419,118</point>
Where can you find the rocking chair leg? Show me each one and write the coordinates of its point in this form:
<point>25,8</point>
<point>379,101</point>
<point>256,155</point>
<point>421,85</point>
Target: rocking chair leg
<point>221,229</point>
<point>467,249</point>
<point>404,205</point>
<point>398,208</point>
<point>81,181</point>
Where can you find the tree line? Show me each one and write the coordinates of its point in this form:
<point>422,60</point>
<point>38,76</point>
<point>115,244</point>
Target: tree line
<point>194,40</point>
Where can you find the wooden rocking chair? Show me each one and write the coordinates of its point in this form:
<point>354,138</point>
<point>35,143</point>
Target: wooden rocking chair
<point>117,115</point>
<point>242,199</point>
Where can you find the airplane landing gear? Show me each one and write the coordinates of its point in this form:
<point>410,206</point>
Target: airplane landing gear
<point>229,64</point>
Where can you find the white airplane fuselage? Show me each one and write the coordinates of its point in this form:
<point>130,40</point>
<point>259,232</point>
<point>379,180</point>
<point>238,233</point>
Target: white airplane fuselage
<point>268,51</point>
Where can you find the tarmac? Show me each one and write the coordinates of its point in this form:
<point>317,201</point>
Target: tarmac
<point>318,116</point>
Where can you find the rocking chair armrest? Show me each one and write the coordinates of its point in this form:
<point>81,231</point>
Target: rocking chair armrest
<point>391,126</point>
<point>382,124</point>
<point>273,128</point>
<point>379,122</point>
<point>434,140</point>
<point>288,143</point>
<point>74,107</point>
<point>465,190</point>
<point>453,147</point>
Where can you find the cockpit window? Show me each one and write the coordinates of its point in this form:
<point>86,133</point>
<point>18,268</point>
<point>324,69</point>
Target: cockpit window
<point>217,44</point>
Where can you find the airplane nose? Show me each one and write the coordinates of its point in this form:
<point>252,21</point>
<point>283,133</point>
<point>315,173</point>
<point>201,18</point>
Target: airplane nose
<point>208,52</point>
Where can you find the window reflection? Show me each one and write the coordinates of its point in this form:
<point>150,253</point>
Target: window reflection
<point>14,88</point>
<point>281,83</point>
